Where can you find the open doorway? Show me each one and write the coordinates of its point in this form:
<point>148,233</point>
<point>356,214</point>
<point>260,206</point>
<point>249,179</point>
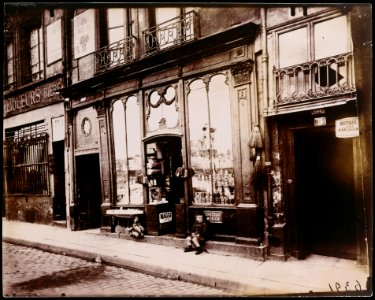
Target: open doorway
<point>59,206</point>
<point>325,194</point>
<point>88,191</point>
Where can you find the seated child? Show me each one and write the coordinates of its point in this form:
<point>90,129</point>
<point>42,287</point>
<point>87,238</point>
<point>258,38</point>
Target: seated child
<point>137,229</point>
<point>198,235</point>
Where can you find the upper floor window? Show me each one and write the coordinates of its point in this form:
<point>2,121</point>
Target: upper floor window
<point>116,40</point>
<point>118,28</point>
<point>10,75</point>
<point>169,26</point>
<point>315,61</point>
<point>327,38</point>
<point>36,54</point>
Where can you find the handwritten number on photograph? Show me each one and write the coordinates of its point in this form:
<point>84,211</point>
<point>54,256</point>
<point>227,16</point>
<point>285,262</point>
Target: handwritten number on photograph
<point>347,287</point>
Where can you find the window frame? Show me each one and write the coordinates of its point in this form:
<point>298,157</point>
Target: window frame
<point>125,100</point>
<point>25,151</point>
<point>309,24</point>
<point>39,46</point>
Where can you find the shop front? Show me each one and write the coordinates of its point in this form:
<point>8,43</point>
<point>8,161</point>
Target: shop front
<point>320,183</point>
<point>33,152</point>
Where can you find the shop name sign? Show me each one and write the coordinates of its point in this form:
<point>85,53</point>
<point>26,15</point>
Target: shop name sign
<point>347,127</point>
<point>214,216</point>
<point>165,217</point>
<point>37,97</point>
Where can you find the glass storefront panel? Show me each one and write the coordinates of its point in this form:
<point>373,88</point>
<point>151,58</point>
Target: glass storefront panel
<point>127,144</point>
<point>211,142</point>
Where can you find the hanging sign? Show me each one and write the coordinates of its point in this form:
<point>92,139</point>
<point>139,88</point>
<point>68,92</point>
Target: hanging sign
<point>347,127</point>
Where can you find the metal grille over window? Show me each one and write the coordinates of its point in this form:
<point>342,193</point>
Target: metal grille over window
<point>25,155</point>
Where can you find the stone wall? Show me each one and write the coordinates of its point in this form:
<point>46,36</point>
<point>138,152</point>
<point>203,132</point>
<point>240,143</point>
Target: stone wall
<point>33,209</point>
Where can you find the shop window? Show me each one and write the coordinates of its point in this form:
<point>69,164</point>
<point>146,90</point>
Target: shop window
<point>9,69</point>
<point>162,109</point>
<point>126,118</point>
<point>210,134</point>
<point>25,154</point>
<point>36,54</point>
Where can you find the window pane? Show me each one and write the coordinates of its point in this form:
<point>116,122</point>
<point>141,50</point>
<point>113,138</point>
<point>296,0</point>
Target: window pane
<point>331,38</point>
<point>10,51</point>
<point>293,47</point>
<point>221,141</point>
<point>34,38</point>
<point>118,118</point>
<point>163,115</point>
<point>115,17</point>
<point>133,117</point>
<point>200,143</point>
<point>116,34</point>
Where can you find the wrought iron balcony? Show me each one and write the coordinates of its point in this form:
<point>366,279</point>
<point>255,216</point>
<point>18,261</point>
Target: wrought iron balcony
<point>173,32</point>
<point>332,76</point>
<point>115,54</point>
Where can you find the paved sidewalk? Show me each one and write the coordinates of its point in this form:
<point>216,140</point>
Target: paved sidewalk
<point>241,276</point>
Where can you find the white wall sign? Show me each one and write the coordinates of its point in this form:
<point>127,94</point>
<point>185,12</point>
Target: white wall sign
<point>58,129</point>
<point>347,127</point>
<point>54,51</point>
<point>84,33</point>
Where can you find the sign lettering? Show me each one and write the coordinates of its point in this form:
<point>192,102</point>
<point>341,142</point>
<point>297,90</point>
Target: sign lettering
<point>165,217</point>
<point>347,127</point>
<point>214,216</point>
<point>37,97</point>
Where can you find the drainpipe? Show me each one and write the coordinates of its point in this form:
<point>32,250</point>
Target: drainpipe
<point>269,210</point>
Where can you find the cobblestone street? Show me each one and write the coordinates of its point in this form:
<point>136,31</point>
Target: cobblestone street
<point>32,272</point>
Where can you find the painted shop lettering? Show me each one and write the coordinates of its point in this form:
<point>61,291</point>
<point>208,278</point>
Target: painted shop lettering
<point>31,98</point>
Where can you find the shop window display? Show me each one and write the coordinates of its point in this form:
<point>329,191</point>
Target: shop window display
<point>211,141</point>
<point>127,144</point>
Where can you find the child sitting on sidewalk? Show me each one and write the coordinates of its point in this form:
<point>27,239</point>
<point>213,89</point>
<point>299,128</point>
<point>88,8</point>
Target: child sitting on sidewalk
<point>198,235</point>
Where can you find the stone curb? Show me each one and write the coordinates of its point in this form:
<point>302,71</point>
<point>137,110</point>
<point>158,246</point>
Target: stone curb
<point>163,272</point>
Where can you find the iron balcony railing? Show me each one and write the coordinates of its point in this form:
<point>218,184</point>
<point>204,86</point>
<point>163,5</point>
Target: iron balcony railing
<point>173,32</point>
<point>332,76</point>
<point>115,54</point>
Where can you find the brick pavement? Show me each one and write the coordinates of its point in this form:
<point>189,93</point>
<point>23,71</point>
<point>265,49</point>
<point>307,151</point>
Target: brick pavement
<point>32,272</point>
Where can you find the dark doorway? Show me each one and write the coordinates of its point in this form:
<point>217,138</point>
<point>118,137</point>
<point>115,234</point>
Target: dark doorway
<point>88,191</point>
<point>325,198</point>
<point>59,206</point>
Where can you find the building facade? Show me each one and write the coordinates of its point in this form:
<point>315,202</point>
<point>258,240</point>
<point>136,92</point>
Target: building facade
<point>247,114</point>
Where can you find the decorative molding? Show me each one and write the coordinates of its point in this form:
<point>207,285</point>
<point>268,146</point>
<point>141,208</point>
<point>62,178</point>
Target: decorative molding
<point>86,126</point>
<point>100,108</point>
<point>241,72</point>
